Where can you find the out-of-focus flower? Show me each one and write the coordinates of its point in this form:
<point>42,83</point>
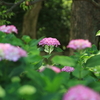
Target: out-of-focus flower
<point>41,69</point>
<point>8,29</point>
<point>49,41</point>
<point>67,69</point>
<point>81,92</point>
<point>79,44</point>
<point>11,53</point>
<point>54,68</point>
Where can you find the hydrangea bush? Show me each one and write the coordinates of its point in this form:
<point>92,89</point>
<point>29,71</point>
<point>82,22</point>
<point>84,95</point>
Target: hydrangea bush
<point>25,75</point>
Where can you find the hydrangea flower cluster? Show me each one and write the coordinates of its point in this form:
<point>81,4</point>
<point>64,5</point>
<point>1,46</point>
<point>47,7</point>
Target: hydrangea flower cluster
<point>49,41</point>
<point>81,92</point>
<point>67,69</point>
<point>8,29</point>
<point>49,44</point>
<point>79,44</point>
<point>11,53</point>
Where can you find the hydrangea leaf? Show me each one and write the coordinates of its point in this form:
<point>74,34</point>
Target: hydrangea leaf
<point>93,61</point>
<point>63,60</point>
<point>98,33</point>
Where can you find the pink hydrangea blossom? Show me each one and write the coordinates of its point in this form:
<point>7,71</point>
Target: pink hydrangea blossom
<point>54,68</point>
<point>11,53</point>
<point>67,69</point>
<point>8,29</point>
<point>79,44</point>
<point>49,41</point>
<point>81,92</point>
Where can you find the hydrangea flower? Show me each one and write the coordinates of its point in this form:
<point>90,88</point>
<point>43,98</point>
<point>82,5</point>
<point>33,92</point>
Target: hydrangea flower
<point>67,69</point>
<point>8,29</point>
<point>49,41</point>
<point>49,44</point>
<point>79,44</point>
<point>54,68</point>
<point>81,92</point>
<point>11,53</point>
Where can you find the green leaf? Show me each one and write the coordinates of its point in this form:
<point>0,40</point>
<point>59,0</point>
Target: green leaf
<point>58,49</point>
<point>95,85</point>
<point>16,71</point>
<point>49,73</point>
<point>2,36</point>
<point>65,76</point>
<point>33,59</point>
<point>17,42</point>
<point>54,81</point>
<point>54,85</point>
<point>98,33</point>
<point>37,65</point>
<point>36,78</point>
<point>26,38</point>
<point>51,96</point>
<point>63,60</point>
<point>75,82</point>
<point>97,88</point>
<point>93,61</point>
<point>76,73</point>
<point>2,92</point>
<point>47,56</point>
<point>35,42</point>
<point>90,79</point>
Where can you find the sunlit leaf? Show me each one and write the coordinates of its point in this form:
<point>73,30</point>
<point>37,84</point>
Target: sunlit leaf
<point>98,33</point>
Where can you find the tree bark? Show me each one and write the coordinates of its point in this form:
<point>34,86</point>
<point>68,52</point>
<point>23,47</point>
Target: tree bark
<point>85,21</point>
<point>30,20</point>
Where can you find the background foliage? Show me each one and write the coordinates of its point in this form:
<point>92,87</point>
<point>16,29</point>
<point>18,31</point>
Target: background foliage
<point>53,21</point>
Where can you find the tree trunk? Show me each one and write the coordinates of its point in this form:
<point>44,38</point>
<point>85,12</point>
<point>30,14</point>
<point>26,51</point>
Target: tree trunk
<point>85,20</point>
<point>30,20</point>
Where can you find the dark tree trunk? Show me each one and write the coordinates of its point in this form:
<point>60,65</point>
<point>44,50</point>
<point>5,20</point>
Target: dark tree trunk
<point>30,20</point>
<point>85,21</point>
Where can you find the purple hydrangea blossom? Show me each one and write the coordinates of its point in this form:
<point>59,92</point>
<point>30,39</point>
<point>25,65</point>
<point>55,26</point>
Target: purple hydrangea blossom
<point>49,41</point>
<point>67,69</point>
<point>11,53</point>
<point>81,92</point>
<point>79,44</point>
<point>8,29</point>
